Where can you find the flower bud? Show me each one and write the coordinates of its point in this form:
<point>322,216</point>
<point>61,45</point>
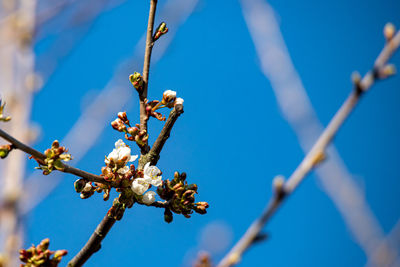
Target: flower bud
<point>388,70</point>
<point>356,77</point>
<point>133,130</point>
<point>136,80</point>
<point>168,217</point>
<point>149,198</point>
<point>59,254</point>
<point>44,245</point>
<point>200,209</point>
<point>179,101</point>
<point>388,31</point>
<point>168,96</point>
<point>5,150</point>
<point>123,116</point>
<point>55,144</point>
<point>192,187</point>
<point>278,185</point>
<point>161,30</point>
<point>79,185</point>
<point>118,125</point>
<point>203,203</point>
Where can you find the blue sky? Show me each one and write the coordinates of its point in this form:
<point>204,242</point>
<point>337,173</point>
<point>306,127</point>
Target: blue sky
<point>232,139</point>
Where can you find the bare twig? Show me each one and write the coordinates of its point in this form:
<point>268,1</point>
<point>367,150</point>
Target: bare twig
<point>154,153</point>
<point>65,168</point>
<point>314,157</point>
<point>146,65</point>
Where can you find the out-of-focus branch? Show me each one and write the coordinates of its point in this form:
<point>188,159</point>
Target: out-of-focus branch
<point>65,168</point>
<point>314,157</point>
<point>17,61</point>
<point>297,109</point>
<point>381,254</point>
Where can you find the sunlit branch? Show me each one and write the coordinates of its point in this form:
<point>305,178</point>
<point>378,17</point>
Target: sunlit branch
<point>40,157</point>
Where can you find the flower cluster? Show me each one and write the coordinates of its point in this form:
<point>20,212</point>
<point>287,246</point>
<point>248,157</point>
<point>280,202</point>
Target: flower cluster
<point>116,170</point>
<point>41,255</point>
<point>151,176</point>
<point>180,197</point>
<point>54,156</point>
<point>122,124</point>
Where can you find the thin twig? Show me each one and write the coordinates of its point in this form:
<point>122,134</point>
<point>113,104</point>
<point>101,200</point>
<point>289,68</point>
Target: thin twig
<point>94,243</point>
<point>314,157</point>
<point>146,66</point>
<point>154,153</point>
<point>65,168</point>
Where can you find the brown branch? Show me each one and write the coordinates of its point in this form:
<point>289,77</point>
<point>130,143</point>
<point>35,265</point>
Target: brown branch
<point>65,168</point>
<point>154,154</point>
<point>94,243</point>
<point>146,65</point>
<point>314,157</point>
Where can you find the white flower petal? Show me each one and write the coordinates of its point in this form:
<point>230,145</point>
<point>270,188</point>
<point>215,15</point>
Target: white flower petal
<point>119,144</point>
<point>123,170</point>
<point>179,101</point>
<point>146,166</point>
<point>133,158</point>
<point>157,181</point>
<point>124,154</point>
<point>149,198</point>
<point>139,186</point>
<point>113,156</point>
<point>87,187</point>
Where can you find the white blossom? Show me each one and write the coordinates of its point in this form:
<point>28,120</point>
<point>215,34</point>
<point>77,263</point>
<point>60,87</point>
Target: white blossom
<point>179,101</point>
<point>149,197</point>
<point>151,174</point>
<point>139,186</point>
<point>121,154</point>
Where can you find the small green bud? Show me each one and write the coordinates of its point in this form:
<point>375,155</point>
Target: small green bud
<point>161,30</point>
<point>136,80</point>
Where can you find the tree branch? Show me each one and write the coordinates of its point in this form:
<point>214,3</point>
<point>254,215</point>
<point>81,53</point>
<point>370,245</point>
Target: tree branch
<point>66,168</point>
<point>94,243</point>
<point>314,157</point>
<point>146,64</point>
<point>154,154</point>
